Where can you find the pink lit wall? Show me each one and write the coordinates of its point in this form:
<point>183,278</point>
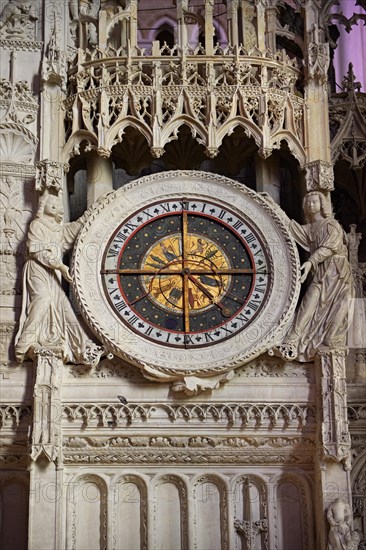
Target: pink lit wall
<point>351,46</point>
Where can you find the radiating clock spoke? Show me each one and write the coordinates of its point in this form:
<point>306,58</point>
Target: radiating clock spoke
<point>186,302</point>
<point>184,236</point>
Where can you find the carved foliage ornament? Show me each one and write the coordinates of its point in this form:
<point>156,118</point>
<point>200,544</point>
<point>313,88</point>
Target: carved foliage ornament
<point>190,283</point>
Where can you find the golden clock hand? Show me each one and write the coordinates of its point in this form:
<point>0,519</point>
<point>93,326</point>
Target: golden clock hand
<point>226,312</point>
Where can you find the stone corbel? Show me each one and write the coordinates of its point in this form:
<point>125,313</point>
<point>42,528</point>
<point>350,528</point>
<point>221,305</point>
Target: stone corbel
<point>319,176</point>
<point>193,385</point>
<point>49,175</point>
<point>46,429</point>
<point>332,392</point>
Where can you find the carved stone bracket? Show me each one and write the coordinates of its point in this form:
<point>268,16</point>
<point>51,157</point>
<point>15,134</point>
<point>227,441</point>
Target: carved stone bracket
<point>335,436</point>
<point>319,176</point>
<point>49,175</point>
<point>46,432</point>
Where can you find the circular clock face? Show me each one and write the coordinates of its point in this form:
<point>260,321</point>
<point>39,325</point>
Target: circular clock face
<point>186,273</point>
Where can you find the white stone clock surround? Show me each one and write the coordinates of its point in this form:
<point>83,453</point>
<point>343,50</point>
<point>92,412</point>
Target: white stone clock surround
<point>157,361</point>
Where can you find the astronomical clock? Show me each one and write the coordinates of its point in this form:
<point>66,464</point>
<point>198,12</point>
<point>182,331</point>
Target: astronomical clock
<point>186,274</point>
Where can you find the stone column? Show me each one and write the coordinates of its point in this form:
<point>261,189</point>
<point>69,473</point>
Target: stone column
<point>267,173</point>
<point>271,20</point>
<point>317,143</point>
<point>99,176</point>
<point>232,16</point>
<point>333,463</point>
<point>133,23</point>
<point>182,29</point>
<point>261,24</point>
<point>209,26</point>
<point>45,527</point>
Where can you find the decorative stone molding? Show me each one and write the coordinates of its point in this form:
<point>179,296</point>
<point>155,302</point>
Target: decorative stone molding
<point>268,367</point>
<point>334,432</point>
<point>49,175</point>
<point>20,45</point>
<point>319,176</point>
<point>14,415</point>
<point>247,415</point>
<point>24,171</point>
<point>46,431</point>
<point>17,102</point>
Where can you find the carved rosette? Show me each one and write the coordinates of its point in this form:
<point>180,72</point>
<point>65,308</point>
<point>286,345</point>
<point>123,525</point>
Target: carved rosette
<point>335,436</point>
<point>319,176</point>
<point>49,175</point>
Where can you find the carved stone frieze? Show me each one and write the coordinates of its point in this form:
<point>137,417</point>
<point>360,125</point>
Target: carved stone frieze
<point>14,220</point>
<point>335,436</point>
<point>189,449</point>
<point>319,176</point>
<point>18,20</point>
<point>246,415</point>
<point>268,367</point>
<point>6,337</point>
<point>12,416</point>
<point>18,116</point>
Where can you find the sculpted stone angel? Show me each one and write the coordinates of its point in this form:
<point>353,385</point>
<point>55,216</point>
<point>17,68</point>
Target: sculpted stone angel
<point>47,319</point>
<point>325,312</point>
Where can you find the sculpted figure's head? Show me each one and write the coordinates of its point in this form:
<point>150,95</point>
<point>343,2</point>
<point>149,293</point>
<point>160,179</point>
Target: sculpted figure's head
<point>50,206</point>
<point>315,202</point>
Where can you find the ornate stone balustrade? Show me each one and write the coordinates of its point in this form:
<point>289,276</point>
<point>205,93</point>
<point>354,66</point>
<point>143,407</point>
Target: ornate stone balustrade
<point>111,90</point>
